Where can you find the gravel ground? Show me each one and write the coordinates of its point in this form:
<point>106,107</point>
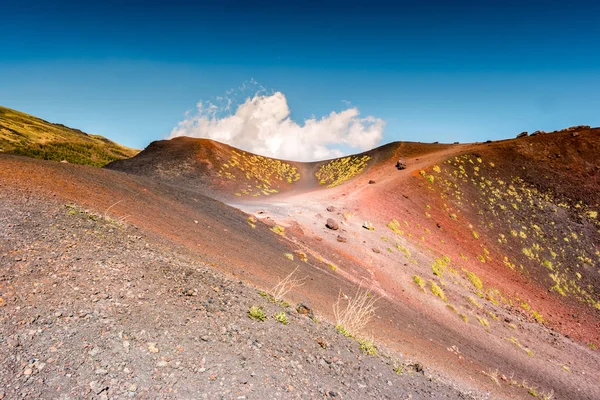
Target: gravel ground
<point>90,308</point>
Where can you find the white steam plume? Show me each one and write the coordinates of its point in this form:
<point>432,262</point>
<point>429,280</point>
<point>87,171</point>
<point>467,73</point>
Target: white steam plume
<point>261,124</point>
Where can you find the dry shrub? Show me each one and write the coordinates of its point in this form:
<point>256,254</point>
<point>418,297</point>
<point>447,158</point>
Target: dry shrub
<point>285,285</point>
<point>352,318</point>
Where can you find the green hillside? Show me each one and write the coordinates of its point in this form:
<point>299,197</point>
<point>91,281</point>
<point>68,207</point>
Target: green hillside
<point>27,135</point>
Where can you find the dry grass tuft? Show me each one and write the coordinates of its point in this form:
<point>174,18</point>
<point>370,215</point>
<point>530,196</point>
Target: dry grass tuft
<point>352,318</point>
<point>493,375</point>
<point>285,285</point>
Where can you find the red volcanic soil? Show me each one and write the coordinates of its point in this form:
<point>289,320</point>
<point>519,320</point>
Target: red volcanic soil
<point>505,229</point>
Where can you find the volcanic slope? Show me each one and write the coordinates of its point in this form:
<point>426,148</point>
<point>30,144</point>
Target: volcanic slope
<point>118,286</point>
<point>486,255</point>
<point>27,135</point>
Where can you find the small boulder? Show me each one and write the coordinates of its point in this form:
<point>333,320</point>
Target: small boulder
<point>341,239</point>
<point>331,208</point>
<point>331,224</point>
<point>305,309</point>
<point>401,164</point>
<point>371,182</point>
<point>321,342</point>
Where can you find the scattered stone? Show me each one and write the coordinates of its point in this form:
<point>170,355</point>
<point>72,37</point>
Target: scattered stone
<point>305,309</point>
<point>132,387</point>
<point>332,224</point>
<point>161,363</point>
<point>574,134</point>
<point>522,134</point>
<point>2,302</point>
<point>376,250</point>
<point>101,371</point>
<point>97,387</point>
<point>188,292</point>
<point>28,371</point>
<point>371,182</point>
<point>417,367</point>
<point>368,225</point>
<point>341,239</point>
<point>401,164</point>
<point>321,342</point>
<point>94,352</point>
<point>331,208</point>
<point>152,348</point>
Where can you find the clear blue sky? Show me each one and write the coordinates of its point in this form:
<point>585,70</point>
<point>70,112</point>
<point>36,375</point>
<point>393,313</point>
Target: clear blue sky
<point>433,70</point>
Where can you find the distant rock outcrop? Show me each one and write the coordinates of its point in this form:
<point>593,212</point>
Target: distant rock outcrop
<point>522,134</point>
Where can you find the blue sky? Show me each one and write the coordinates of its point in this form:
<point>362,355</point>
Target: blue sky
<point>433,71</point>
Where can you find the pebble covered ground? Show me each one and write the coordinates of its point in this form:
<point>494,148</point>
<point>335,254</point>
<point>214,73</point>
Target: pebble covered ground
<point>92,308</point>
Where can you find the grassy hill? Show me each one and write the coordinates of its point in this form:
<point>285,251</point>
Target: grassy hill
<point>27,135</point>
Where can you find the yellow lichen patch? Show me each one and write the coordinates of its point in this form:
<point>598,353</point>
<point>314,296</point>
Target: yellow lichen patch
<point>436,290</point>
<point>395,226</point>
<point>338,171</point>
<point>301,255</point>
<point>278,230</point>
<point>474,302</point>
<point>419,281</point>
<point>262,172</point>
<point>475,280</point>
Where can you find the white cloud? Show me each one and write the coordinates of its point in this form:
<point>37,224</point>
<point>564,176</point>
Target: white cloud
<point>262,125</point>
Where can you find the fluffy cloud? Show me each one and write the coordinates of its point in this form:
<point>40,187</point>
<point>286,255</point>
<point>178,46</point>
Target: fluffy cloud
<point>262,125</point>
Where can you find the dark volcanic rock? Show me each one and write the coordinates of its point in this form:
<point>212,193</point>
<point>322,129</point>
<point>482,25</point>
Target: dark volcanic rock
<point>401,164</point>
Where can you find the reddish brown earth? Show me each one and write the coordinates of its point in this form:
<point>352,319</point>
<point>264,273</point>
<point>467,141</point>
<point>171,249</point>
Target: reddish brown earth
<point>168,191</point>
